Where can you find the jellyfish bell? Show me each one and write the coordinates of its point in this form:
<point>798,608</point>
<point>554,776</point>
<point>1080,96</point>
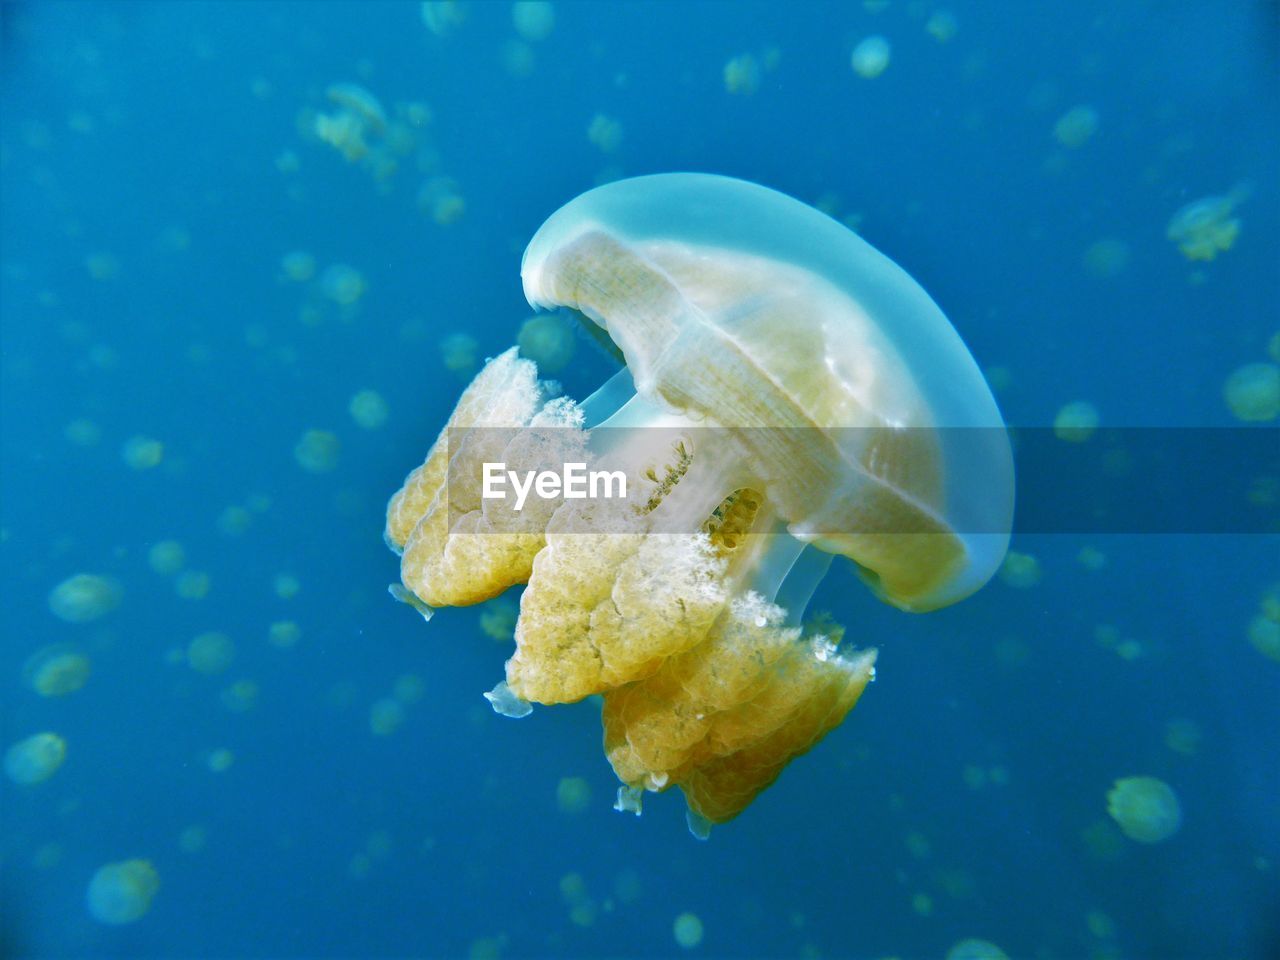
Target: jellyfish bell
<point>789,394</point>
<point>739,306</point>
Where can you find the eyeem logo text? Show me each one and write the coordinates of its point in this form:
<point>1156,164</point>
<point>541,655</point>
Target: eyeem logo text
<point>573,482</point>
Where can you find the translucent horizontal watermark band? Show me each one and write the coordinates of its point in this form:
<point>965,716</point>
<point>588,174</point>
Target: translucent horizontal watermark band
<point>847,481</point>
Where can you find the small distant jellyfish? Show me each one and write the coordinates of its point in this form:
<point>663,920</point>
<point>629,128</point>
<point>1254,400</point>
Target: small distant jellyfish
<point>942,26</point>
<point>409,688</point>
<point>386,716</point>
<point>192,839</point>
<point>1076,422</point>
<point>102,266</point>
<point>368,409</point>
<point>975,949</point>
<point>298,265</point>
<point>1075,127</point>
<point>122,892</point>
<point>460,352</point>
<point>742,74</point>
<point>870,57</point>
<point>498,619</point>
<point>192,584</point>
<point>240,697</point>
<point>687,930</point>
<point>441,200</point>
<point>284,634</point>
<point>547,339</point>
<point>1273,347</point>
<point>342,284</point>
<point>1091,558</point>
<point>56,670</point>
<point>287,586</point>
<point>533,19</point>
<point>517,58</point>
<point>142,453</point>
<point>1206,227</point>
<point>84,597</point>
<point>83,433</point>
<point>1146,809</point>
<point>357,117</point>
<point>1253,392</point>
<point>220,760</point>
<point>235,521</point>
<point>1020,570</point>
<point>166,557</point>
<point>442,17</point>
<point>1183,736</point>
<point>573,795</point>
<point>1264,634</point>
<point>605,132</point>
<point>35,759</point>
<point>1107,257</point>
<point>317,451</point>
<point>210,653</point>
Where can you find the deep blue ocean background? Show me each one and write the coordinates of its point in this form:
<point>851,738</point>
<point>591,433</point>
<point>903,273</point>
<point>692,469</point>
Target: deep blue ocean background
<point>156,168</point>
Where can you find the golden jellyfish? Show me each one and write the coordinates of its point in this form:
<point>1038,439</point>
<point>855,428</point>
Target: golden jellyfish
<point>975,949</point>
<point>122,892</point>
<point>687,930</point>
<point>1206,227</point>
<point>142,453</point>
<point>605,132</point>
<point>548,340</point>
<point>56,670</point>
<point>1146,809</point>
<point>317,451</point>
<point>789,394</point>
<point>742,74</point>
<point>35,759</point>
<point>442,17</point>
<point>356,118</point>
<point>533,19</point>
<point>1076,421</point>
<point>167,557</point>
<point>211,653</point>
<point>1075,127</point>
<point>84,597</point>
<point>1252,392</point>
<point>870,57</point>
<point>368,409</point>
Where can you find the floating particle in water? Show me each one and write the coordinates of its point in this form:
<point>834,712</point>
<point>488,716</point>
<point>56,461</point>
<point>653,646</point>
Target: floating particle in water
<point>317,451</point>
<point>85,597</point>
<point>368,409</point>
<point>1076,127</point>
<point>1146,809</point>
<point>1076,422</point>
<point>870,57</point>
<point>56,670</point>
<point>1252,392</point>
<point>687,930</point>
<point>122,892</point>
<point>35,759</point>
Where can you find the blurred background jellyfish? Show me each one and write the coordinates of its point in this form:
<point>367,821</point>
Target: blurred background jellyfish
<point>1146,809</point>
<point>56,670</point>
<point>548,340</point>
<point>122,892</point>
<point>1206,227</point>
<point>788,395</point>
<point>85,597</point>
<point>35,759</point>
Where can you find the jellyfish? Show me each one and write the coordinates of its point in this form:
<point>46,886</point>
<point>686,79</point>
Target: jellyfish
<point>789,395</point>
<point>122,892</point>
<point>35,759</point>
<point>56,670</point>
<point>870,57</point>
<point>1146,809</point>
<point>1206,227</point>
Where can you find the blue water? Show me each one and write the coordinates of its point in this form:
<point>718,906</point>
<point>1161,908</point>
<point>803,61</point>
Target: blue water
<point>151,138</point>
